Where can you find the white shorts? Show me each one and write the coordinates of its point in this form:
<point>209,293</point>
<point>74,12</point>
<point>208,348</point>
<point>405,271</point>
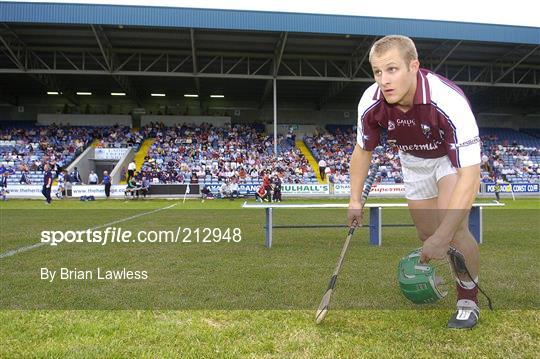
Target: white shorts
<point>422,174</point>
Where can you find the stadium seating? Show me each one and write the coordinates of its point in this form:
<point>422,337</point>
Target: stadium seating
<point>512,155</point>
<point>28,148</point>
<point>208,155</point>
<point>336,146</point>
<point>117,137</point>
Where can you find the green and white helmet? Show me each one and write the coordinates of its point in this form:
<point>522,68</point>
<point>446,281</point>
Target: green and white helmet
<point>418,281</point>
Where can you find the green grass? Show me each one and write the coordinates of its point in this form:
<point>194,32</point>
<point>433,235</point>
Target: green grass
<point>243,300</point>
<point>284,334</point>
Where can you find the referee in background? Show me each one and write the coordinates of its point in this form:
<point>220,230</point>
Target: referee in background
<point>106,180</point>
<point>47,183</point>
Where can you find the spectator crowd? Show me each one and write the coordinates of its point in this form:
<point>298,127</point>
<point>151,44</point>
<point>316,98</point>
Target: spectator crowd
<point>335,149</point>
<point>234,153</point>
<point>25,151</point>
<point>240,153</point>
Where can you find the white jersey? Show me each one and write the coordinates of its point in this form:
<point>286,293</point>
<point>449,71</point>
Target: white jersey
<point>61,180</point>
<point>439,123</point>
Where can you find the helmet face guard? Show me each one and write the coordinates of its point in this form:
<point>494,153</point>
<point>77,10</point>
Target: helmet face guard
<point>417,281</point>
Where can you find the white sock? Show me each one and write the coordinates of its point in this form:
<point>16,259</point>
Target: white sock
<point>467,285</point>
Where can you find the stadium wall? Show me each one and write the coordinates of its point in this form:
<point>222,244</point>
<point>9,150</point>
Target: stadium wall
<point>218,121</point>
<point>309,117</point>
<point>248,191</point>
<point>508,120</point>
<point>83,163</point>
<point>239,112</point>
<point>14,113</point>
<point>299,130</point>
<point>83,120</point>
<point>121,167</point>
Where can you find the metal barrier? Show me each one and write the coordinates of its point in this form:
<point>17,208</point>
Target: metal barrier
<point>375,218</point>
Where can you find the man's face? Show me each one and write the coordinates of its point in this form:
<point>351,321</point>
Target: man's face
<point>396,79</point>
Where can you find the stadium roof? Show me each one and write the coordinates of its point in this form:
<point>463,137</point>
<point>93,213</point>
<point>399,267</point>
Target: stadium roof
<point>317,58</point>
<point>92,14</point>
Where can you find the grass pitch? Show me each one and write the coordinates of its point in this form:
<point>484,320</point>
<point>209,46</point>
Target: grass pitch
<point>239,299</point>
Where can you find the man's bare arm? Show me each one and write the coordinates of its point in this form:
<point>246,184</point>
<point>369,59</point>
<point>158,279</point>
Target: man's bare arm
<point>360,161</point>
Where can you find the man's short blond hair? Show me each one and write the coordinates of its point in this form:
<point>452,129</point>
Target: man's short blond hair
<point>403,43</point>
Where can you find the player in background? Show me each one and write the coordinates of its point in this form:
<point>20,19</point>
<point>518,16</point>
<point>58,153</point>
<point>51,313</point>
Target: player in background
<point>60,190</point>
<point>47,184</point>
<point>3,185</point>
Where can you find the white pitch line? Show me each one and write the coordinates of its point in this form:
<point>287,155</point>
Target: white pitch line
<point>41,244</point>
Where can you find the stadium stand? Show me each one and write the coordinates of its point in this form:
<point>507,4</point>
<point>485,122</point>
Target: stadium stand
<point>534,132</point>
<point>209,155</point>
<point>336,146</point>
<point>117,137</point>
<point>506,154</point>
<point>26,149</point>
<point>509,155</point>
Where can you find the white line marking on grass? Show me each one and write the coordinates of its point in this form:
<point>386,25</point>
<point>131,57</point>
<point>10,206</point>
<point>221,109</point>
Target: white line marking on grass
<point>41,244</point>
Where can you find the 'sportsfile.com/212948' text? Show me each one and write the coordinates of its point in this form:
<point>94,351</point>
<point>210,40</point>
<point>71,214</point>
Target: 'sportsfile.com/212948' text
<point>118,235</point>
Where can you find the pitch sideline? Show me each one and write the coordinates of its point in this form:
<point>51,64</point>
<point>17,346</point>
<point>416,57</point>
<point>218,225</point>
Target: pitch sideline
<point>40,244</point>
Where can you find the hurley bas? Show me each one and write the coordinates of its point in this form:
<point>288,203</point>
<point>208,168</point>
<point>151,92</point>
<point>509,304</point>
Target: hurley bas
<point>96,274</point>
